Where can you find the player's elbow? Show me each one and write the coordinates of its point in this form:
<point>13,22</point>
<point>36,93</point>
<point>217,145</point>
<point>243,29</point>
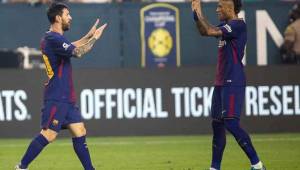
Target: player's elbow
<point>204,33</point>
<point>209,34</point>
<point>78,55</point>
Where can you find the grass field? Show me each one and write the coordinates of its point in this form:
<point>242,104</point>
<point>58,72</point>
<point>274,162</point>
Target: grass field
<point>278,151</point>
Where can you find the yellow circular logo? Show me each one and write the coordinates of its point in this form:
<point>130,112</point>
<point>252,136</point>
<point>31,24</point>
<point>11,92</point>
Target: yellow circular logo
<point>160,42</point>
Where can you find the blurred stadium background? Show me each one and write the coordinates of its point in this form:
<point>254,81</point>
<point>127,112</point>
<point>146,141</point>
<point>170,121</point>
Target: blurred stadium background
<point>145,89</point>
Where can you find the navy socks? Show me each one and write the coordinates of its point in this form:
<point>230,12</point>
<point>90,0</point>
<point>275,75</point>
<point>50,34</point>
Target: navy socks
<point>33,150</point>
<point>81,149</point>
<point>39,142</point>
<point>243,139</point>
<point>219,143</point>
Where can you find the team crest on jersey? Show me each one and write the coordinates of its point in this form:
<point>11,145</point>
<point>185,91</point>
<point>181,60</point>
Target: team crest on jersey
<point>227,27</point>
<point>65,46</point>
<point>222,43</point>
<point>55,122</point>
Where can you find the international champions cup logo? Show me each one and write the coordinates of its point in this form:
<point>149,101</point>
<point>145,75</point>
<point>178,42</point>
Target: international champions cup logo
<point>160,43</point>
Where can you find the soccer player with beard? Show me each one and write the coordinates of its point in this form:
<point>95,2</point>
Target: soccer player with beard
<point>60,110</point>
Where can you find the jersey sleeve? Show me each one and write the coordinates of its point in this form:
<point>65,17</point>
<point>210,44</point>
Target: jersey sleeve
<point>62,47</point>
<point>231,29</point>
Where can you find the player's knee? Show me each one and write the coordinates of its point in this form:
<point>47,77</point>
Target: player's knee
<point>231,124</point>
<point>50,135</point>
<point>83,131</point>
<point>219,137</point>
<point>217,124</point>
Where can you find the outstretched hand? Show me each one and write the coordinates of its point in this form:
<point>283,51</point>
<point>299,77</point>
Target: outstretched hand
<point>93,29</point>
<point>98,32</point>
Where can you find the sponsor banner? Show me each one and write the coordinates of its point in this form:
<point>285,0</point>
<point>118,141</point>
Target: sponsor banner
<point>160,35</point>
<point>186,102</point>
<point>152,102</point>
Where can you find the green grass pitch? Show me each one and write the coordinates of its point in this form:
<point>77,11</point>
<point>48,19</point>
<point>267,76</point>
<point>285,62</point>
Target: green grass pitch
<point>278,151</point>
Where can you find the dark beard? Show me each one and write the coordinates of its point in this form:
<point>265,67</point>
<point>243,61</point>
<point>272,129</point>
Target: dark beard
<point>65,27</point>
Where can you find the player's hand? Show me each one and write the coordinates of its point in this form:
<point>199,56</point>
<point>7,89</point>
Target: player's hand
<point>99,31</point>
<point>93,29</point>
<point>196,6</point>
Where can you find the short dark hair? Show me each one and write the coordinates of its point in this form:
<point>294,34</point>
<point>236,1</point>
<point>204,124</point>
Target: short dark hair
<point>54,10</point>
<point>237,6</point>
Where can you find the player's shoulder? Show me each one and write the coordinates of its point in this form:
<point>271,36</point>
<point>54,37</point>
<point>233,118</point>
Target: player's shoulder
<point>54,36</point>
<point>237,25</point>
<point>237,22</point>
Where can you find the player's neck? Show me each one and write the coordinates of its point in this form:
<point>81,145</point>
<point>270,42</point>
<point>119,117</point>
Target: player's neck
<point>232,17</point>
<point>56,28</point>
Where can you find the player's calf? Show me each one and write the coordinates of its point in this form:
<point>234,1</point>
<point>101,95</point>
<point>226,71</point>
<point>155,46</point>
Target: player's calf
<point>219,142</point>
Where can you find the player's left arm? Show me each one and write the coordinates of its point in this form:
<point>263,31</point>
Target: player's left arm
<point>85,39</point>
<point>204,27</point>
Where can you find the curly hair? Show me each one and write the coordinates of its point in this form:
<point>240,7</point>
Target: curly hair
<point>237,6</point>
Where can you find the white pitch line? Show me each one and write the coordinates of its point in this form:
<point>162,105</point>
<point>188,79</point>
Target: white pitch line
<point>155,142</point>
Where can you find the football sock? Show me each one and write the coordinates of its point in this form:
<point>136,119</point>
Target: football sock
<point>243,139</point>
<point>81,149</point>
<point>33,150</point>
<point>218,144</point>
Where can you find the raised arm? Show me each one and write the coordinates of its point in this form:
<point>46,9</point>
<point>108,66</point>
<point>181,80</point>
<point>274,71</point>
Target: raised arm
<point>88,36</point>
<point>82,49</point>
<point>204,27</point>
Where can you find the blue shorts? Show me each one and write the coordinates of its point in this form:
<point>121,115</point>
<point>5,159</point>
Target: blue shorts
<point>227,102</point>
<point>57,115</point>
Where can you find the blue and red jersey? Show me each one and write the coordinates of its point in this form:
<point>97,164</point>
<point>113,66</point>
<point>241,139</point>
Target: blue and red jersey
<point>57,53</point>
<point>230,69</point>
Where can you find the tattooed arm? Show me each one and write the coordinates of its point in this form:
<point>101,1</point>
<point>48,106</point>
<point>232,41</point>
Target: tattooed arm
<point>204,27</point>
<point>80,50</point>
